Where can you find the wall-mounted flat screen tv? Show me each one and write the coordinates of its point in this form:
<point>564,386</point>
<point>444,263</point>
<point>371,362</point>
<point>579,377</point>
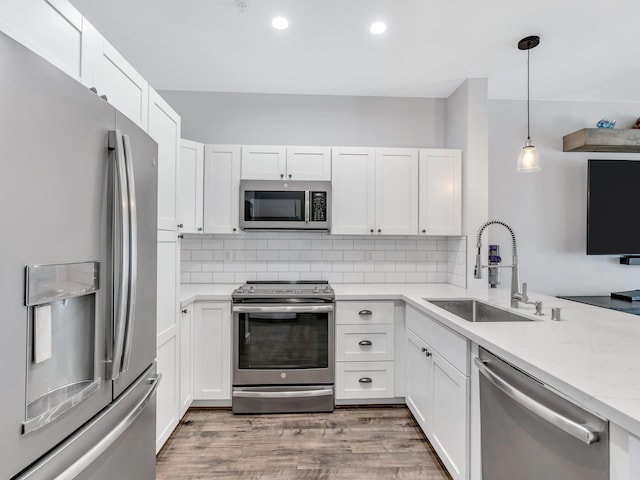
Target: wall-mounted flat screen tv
<point>613,207</point>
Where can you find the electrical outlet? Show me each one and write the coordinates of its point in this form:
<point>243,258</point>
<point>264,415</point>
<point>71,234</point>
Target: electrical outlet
<point>228,255</point>
<point>369,256</point>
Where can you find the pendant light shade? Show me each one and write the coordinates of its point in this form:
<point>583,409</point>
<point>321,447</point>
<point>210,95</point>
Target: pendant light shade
<point>528,160</point>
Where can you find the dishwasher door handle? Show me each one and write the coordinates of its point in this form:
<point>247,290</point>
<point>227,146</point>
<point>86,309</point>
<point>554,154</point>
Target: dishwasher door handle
<point>565,424</point>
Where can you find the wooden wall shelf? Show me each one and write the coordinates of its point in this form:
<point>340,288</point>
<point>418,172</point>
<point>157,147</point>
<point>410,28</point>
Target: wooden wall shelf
<point>602,140</point>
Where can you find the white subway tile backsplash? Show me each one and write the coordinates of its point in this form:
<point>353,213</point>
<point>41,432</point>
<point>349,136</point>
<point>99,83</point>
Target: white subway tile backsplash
<point>332,256</point>
<point>311,255</point>
<point>201,255</point>
<point>317,255</point>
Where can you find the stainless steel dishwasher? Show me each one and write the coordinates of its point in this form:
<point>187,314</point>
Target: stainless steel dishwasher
<point>530,432</point>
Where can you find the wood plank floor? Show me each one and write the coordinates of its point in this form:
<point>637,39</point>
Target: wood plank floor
<point>348,444</point>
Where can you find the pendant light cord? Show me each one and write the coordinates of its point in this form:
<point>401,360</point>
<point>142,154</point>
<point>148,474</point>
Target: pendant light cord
<point>528,117</point>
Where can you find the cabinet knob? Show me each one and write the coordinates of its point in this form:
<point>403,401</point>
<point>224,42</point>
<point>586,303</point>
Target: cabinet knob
<point>365,343</point>
<point>180,225</point>
<point>184,310</point>
<point>234,229</point>
<point>424,231</point>
<point>104,97</point>
<point>366,313</point>
<point>365,380</point>
<point>94,90</point>
<point>289,175</point>
<point>282,175</point>
<point>372,230</point>
<point>379,230</point>
<point>199,229</point>
<point>181,236</point>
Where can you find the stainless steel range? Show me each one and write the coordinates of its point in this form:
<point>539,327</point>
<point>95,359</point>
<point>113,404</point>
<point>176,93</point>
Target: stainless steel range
<point>283,347</point>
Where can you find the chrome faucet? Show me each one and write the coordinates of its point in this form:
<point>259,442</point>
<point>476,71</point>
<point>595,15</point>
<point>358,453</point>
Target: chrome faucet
<point>516,295</point>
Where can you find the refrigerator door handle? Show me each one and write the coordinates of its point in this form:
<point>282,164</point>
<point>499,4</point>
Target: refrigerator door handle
<point>133,255</point>
<point>121,236</point>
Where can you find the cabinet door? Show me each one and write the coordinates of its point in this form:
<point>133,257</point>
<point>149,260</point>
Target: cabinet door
<point>190,186</point>
<point>212,351</point>
<point>168,341</point>
<point>419,381</point>
<point>264,162</point>
<point>440,192</point>
<point>114,77</point>
<point>309,163</point>
<point>164,128</point>
<point>397,191</point>
<point>353,188</point>
<point>53,29</point>
<point>449,431</point>
<point>221,188</point>
<point>186,359</point>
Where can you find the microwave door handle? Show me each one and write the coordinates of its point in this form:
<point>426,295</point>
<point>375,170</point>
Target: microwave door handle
<point>120,244</point>
<point>306,206</point>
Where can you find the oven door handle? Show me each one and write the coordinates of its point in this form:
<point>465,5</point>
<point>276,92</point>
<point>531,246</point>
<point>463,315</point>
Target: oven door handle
<point>283,309</point>
<point>322,392</point>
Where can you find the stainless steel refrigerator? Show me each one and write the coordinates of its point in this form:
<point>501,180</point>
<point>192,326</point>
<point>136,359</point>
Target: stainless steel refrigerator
<point>78,183</point>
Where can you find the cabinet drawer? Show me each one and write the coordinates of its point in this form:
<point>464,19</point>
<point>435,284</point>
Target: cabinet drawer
<point>362,343</point>
<point>364,312</point>
<point>453,347</point>
<point>364,380</point>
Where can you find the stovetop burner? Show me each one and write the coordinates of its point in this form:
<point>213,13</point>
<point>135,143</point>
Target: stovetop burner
<point>279,291</point>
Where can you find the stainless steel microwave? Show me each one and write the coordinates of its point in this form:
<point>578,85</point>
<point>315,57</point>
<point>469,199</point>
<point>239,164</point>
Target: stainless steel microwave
<point>285,205</point>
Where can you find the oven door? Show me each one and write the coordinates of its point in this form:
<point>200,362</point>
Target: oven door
<point>283,344</point>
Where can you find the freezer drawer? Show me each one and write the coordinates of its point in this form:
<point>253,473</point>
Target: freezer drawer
<point>117,444</point>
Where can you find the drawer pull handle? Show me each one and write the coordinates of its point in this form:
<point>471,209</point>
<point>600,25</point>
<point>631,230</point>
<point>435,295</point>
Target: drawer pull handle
<point>365,380</point>
<point>367,313</point>
<point>365,343</point>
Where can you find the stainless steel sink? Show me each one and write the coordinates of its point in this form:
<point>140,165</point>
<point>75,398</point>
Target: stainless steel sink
<point>477,311</point>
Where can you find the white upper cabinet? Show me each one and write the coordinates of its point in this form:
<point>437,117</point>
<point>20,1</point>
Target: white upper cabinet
<point>396,191</point>
<point>273,162</point>
<point>164,128</point>
<point>53,29</point>
<point>354,190</point>
<point>115,78</point>
<point>190,187</point>
<point>309,163</point>
<point>221,188</point>
<point>440,192</point>
<point>264,162</point>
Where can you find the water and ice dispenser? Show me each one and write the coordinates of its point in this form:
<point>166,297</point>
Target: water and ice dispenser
<point>61,353</point>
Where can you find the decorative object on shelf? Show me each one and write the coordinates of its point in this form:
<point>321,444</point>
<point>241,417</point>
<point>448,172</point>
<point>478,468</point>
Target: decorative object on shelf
<point>637,124</point>
<point>529,159</point>
<point>241,4</point>
<point>604,123</point>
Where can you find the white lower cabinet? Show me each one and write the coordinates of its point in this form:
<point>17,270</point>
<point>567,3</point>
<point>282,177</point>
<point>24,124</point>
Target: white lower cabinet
<point>365,350</point>
<point>186,359</point>
<point>437,392</point>
<point>212,351</point>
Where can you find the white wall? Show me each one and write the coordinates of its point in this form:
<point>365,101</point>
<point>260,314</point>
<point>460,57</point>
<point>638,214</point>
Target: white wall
<point>547,210</point>
<point>210,117</point>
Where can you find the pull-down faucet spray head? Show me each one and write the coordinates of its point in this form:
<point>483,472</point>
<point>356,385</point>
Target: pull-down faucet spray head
<point>477,271</point>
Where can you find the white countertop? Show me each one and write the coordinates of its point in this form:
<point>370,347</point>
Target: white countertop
<point>592,355</point>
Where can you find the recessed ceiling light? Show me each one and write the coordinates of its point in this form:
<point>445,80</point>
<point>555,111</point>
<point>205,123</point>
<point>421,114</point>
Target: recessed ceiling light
<point>280,23</point>
<point>378,27</point>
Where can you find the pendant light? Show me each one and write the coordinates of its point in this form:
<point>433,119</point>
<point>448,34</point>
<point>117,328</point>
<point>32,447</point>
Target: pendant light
<point>528,160</point>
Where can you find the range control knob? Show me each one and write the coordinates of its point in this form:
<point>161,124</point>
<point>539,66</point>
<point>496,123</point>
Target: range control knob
<point>327,289</point>
<point>240,290</point>
<point>316,289</point>
<point>252,290</point>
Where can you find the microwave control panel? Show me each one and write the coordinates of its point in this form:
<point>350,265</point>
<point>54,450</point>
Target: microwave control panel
<point>318,206</point>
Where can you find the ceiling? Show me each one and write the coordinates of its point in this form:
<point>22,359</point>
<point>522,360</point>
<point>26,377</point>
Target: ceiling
<point>588,49</point>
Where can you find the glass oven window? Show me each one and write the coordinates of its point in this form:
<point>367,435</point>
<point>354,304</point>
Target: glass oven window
<point>261,206</point>
<point>281,341</point>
